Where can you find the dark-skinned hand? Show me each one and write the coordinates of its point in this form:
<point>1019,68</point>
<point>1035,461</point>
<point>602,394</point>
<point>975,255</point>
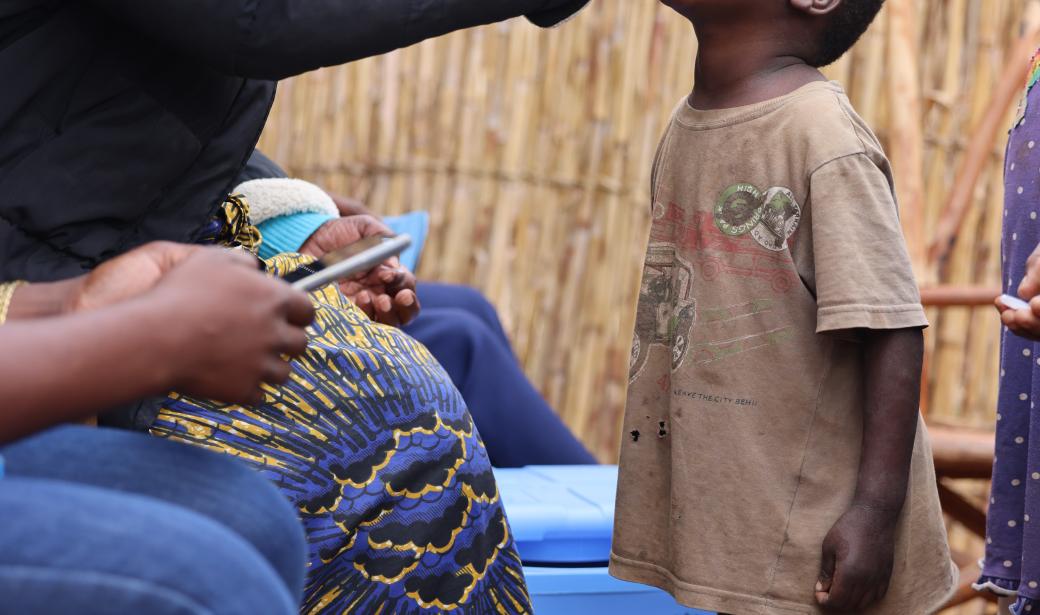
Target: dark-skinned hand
<point>1025,323</point>
<point>226,327</point>
<point>127,276</point>
<point>230,326</point>
<point>134,273</point>
<point>858,553</point>
<point>348,206</point>
<point>386,293</point>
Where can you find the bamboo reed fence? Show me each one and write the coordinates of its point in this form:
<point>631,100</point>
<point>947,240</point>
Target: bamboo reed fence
<point>532,149</point>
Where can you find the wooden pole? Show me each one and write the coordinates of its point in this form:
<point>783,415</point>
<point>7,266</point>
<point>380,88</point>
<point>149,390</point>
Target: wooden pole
<point>906,140</point>
<point>946,296</point>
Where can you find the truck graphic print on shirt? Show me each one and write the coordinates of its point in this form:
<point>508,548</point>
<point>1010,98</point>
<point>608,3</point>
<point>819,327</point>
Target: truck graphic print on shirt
<point>744,235</point>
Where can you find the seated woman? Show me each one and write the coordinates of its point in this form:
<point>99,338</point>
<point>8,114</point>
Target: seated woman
<point>85,526</point>
<point>367,436</point>
<point>457,324</point>
<point>375,446</point>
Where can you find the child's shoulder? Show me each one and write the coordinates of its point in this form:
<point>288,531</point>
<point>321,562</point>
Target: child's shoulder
<point>826,122</point>
<point>811,126</point>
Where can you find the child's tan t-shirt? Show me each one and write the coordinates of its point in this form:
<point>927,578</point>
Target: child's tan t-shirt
<point>774,230</point>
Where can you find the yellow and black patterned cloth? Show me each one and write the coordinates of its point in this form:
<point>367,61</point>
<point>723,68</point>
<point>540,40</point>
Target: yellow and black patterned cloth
<point>374,445</point>
<point>232,227</point>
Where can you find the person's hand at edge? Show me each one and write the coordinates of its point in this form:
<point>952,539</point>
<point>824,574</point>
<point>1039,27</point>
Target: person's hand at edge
<point>1025,322</point>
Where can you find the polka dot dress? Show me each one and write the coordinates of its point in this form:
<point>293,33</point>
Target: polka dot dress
<point>1012,562</point>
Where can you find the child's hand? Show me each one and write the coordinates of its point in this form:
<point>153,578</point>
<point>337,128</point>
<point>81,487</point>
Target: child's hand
<point>857,560</point>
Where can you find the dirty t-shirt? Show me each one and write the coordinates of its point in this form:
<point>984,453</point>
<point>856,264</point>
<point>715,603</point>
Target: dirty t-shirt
<point>775,231</point>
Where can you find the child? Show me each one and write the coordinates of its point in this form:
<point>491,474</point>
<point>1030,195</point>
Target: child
<point>774,459</point>
<point>1011,568</point>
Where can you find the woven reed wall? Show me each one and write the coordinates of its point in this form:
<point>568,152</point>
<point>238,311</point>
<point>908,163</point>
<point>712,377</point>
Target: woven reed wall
<point>532,149</point>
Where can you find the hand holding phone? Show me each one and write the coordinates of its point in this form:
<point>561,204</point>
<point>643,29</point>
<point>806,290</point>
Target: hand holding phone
<point>369,276</point>
<point>1019,317</point>
<point>1013,302</point>
<point>339,265</point>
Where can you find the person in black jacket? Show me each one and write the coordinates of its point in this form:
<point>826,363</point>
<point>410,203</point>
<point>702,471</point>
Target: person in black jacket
<point>123,122</point>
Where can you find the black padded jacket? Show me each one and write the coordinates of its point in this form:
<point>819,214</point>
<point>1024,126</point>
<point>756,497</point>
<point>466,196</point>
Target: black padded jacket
<point>126,121</point>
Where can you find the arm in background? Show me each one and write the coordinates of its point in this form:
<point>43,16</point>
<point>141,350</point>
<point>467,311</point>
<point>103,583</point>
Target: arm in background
<point>276,39</point>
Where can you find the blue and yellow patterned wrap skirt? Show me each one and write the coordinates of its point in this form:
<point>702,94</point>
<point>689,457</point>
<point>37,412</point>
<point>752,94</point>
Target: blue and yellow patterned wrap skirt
<point>373,444</point>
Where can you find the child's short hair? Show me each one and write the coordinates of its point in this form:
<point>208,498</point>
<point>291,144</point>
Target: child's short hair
<point>848,22</point>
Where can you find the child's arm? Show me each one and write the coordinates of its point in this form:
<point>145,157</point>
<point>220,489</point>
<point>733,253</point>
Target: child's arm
<point>858,550</point>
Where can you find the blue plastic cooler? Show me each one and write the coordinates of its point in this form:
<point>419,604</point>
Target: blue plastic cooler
<point>562,518</point>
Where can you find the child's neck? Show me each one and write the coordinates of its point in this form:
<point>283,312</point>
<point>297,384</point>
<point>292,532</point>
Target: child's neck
<point>735,68</point>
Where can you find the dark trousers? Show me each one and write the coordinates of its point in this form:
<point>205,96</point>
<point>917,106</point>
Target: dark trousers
<point>462,330</point>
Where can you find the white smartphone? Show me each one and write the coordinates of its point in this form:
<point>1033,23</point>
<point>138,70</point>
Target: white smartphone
<point>1014,302</point>
<point>341,264</point>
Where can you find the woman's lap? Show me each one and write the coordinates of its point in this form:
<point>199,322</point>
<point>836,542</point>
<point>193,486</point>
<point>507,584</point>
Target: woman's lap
<point>94,547</point>
<point>374,446</point>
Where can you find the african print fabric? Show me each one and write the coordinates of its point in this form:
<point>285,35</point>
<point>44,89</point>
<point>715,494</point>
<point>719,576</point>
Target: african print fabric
<point>1011,566</point>
<point>374,445</point>
<point>232,226</point>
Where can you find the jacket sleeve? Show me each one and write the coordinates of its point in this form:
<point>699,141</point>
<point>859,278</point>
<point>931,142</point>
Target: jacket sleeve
<point>274,39</point>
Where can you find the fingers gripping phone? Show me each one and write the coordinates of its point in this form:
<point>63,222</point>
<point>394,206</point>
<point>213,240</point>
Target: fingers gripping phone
<point>359,257</point>
<point>1014,302</point>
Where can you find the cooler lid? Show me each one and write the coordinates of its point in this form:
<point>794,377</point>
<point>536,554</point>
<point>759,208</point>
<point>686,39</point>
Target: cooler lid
<point>560,514</point>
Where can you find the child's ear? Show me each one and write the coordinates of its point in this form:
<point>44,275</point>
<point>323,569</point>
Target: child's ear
<point>815,7</point>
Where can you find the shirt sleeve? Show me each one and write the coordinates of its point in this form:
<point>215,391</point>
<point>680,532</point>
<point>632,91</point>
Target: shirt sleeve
<point>863,277</point>
<point>276,39</point>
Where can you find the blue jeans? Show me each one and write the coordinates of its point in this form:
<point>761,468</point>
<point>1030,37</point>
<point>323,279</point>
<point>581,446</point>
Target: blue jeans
<point>461,329</point>
<point>100,521</point>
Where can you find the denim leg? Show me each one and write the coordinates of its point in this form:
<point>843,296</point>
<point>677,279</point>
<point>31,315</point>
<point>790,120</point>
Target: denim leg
<point>517,425</point>
<point>67,548</point>
<point>209,484</point>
